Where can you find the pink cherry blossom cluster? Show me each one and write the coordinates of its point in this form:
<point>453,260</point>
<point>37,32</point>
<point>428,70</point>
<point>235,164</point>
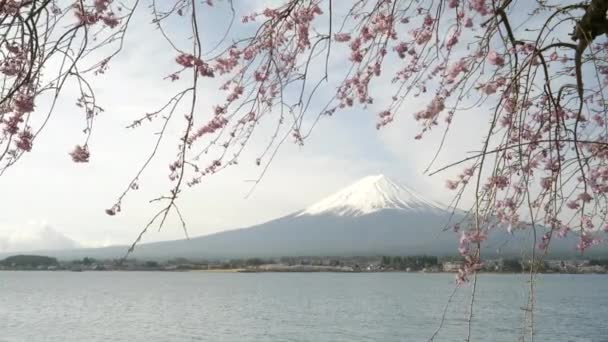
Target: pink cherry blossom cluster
<point>189,61</point>
<point>14,61</point>
<point>218,122</point>
<point>99,11</point>
<point>463,178</point>
<point>455,70</point>
<point>432,111</point>
<point>24,140</point>
<point>506,212</point>
<point>10,7</point>
<point>80,154</point>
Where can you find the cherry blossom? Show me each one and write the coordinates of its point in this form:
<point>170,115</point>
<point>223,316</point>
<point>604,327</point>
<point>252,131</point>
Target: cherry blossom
<point>80,154</point>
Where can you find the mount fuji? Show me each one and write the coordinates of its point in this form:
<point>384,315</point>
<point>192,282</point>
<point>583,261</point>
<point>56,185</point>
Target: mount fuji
<point>372,194</point>
<point>373,216</point>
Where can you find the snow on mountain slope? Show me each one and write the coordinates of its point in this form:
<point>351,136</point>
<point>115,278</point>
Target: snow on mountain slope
<point>371,194</point>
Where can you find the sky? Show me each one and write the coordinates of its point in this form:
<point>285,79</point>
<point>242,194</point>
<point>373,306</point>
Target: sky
<point>50,202</point>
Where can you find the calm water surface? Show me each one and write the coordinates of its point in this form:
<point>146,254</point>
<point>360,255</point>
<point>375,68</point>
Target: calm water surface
<point>198,306</point>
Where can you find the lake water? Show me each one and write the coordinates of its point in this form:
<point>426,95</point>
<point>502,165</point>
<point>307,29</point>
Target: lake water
<point>200,306</point>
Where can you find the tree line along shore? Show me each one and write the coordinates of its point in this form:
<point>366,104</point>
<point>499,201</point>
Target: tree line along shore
<point>420,263</point>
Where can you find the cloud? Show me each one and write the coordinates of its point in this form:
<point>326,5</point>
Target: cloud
<point>34,236</point>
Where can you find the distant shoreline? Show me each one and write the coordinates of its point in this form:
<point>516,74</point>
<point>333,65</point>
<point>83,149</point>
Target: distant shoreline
<point>285,271</point>
<point>379,264</point>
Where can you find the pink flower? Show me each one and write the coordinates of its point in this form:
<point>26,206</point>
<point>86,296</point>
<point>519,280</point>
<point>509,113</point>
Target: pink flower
<point>598,119</point>
<point>218,122</point>
<point>110,20</point>
<point>249,53</point>
<point>463,244</point>
<point>546,183</point>
<point>553,56</point>
<point>461,277</point>
<point>587,223</point>
<point>101,5</point>
<point>468,23</point>
<point>544,243</point>
<point>433,109</point>
<point>270,13</point>
<point>477,236</point>
<point>500,182</point>
<point>452,40</point>
<point>509,105</point>
<point>356,56</point>
<point>572,205</point>
<point>455,69</point>
<point>421,36</point>
<point>463,238</point>
<point>80,154</point>
<point>204,70</point>
<point>529,48</point>
<point>259,76</point>
<point>479,6</point>
<point>586,241</point>
<point>12,124</point>
<point>401,49</point>
<point>495,59</point>
<point>219,110</point>
<point>585,197</point>
<point>23,103</point>
<point>236,93</point>
<point>384,114</point>
<point>341,37</point>
<point>85,17</point>
<point>24,141</point>
<point>489,88</point>
<point>451,184</point>
<point>185,60</point>
<point>428,20</point>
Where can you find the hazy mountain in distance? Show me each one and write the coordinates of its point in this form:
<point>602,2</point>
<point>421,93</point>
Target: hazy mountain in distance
<point>373,216</point>
<point>31,237</point>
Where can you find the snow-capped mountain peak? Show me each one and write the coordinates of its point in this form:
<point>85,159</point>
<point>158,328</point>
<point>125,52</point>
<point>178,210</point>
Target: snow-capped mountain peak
<point>370,194</point>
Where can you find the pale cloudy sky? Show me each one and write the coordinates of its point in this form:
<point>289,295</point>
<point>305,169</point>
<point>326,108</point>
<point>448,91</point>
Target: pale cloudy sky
<point>46,195</point>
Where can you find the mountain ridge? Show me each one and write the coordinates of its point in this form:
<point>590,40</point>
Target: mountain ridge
<point>373,216</point>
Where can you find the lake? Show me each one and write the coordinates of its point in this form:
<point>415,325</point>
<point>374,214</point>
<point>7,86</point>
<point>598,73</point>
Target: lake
<point>204,306</point>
